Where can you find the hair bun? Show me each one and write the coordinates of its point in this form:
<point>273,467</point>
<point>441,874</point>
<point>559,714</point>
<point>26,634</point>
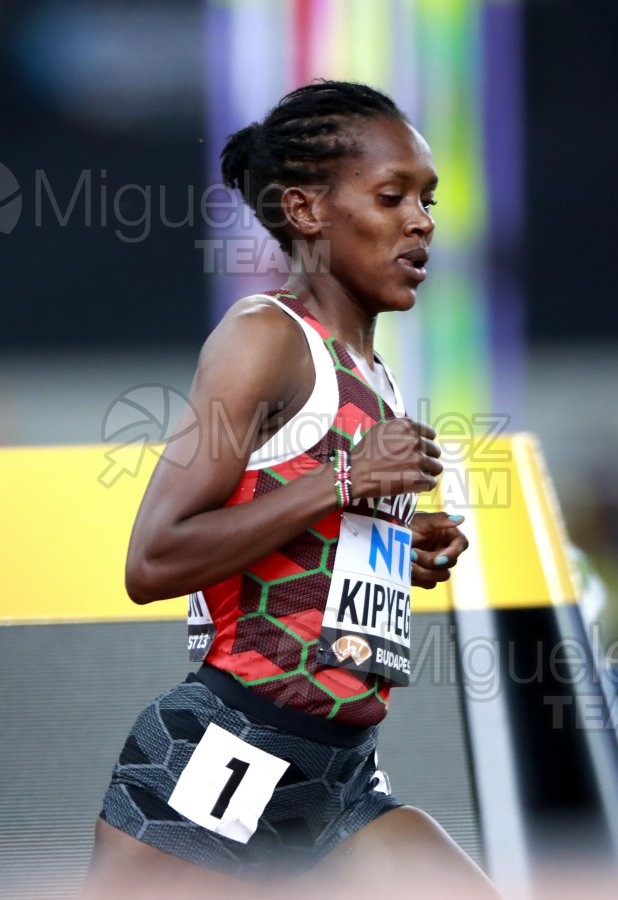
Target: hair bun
<point>236,155</point>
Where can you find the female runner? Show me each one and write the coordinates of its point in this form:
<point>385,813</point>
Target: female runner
<point>292,531</point>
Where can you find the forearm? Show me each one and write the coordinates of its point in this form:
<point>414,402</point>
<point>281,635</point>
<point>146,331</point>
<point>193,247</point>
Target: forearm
<point>208,547</point>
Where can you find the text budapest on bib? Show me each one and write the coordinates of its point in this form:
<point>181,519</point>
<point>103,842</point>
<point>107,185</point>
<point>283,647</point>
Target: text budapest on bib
<point>366,624</point>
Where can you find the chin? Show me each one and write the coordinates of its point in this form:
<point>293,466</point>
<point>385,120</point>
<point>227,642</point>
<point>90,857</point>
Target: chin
<point>401,302</point>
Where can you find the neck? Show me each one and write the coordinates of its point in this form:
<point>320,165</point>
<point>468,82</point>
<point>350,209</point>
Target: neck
<point>336,309</point>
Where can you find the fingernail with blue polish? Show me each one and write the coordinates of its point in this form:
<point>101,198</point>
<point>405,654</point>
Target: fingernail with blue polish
<point>441,560</point>
<point>413,555</point>
<point>456,518</point>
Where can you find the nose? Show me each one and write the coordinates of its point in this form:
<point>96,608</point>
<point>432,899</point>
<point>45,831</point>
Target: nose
<point>419,222</point>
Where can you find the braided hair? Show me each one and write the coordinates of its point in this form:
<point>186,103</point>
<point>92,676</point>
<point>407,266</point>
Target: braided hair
<point>299,142</point>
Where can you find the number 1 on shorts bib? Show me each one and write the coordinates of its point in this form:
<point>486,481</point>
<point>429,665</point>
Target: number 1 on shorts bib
<point>227,784</point>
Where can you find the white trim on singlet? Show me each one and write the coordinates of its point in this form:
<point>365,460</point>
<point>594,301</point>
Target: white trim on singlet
<point>399,407</point>
<point>312,422</point>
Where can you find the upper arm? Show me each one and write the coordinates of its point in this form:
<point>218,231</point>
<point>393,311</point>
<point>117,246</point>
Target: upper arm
<point>254,364</point>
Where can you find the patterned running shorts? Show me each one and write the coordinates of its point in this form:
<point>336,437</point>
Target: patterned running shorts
<point>220,787</point>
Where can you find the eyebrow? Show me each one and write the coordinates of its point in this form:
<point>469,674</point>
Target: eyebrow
<point>405,176</point>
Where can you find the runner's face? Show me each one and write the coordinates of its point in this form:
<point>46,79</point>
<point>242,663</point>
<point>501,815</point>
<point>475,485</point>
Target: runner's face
<point>379,226</point>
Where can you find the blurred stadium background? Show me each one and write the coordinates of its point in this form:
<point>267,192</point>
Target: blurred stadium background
<point>134,100</point>
<point>112,117</point>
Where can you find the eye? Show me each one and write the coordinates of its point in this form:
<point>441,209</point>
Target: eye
<point>428,203</point>
<point>391,199</point>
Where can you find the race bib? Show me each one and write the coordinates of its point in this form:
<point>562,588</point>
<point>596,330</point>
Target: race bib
<point>366,624</point>
<point>227,784</point>
<point>200,626</point>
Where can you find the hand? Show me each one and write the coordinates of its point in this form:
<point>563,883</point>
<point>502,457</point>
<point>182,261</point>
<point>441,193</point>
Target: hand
<point>395,457</point>
<point>437,543</point>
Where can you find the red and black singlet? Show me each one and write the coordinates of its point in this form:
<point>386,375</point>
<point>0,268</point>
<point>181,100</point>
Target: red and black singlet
<point>268,619</point>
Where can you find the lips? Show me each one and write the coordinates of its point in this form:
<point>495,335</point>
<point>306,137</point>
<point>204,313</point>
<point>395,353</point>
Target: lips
<point>413,262</point>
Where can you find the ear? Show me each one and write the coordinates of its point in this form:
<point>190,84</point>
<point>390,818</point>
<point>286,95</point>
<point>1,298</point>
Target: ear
<point>303,210</point>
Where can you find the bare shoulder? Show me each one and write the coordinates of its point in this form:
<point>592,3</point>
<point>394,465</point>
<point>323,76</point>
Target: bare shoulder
<point>257,350</point>
<point>260,321</point>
